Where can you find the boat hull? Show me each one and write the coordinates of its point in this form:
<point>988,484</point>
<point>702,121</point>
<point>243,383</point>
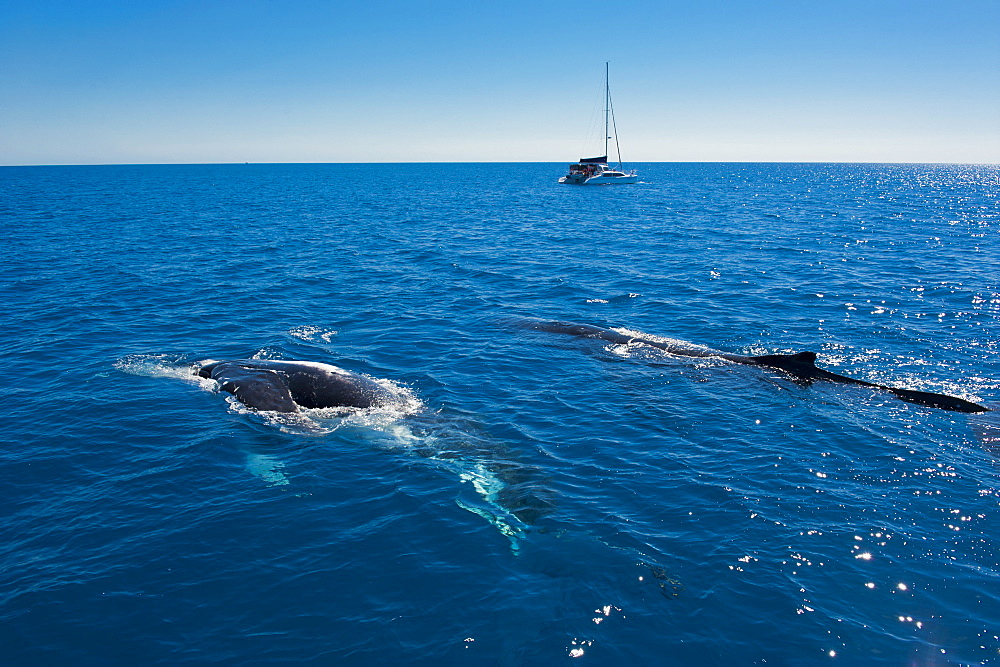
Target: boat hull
<point>600,180</point>
<point>611,180</point>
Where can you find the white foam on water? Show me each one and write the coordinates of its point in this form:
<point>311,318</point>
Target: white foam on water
<point>310,333</point>
<point>672,342</point>
<point>164,366</point>
<point>402,403</point>
<point>636,349</point>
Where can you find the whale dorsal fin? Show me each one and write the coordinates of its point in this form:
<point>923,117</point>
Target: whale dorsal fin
<point>807,358</point>
<point>786,361</point>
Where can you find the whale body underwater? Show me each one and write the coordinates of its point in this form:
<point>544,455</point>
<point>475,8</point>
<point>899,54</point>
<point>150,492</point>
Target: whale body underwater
<point>506,486</point>
<point>287,386</point>
<point>801,366</point>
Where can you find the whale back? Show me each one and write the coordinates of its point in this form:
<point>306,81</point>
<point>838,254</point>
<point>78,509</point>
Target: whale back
<point>284,386</point>
<point>315,385</point>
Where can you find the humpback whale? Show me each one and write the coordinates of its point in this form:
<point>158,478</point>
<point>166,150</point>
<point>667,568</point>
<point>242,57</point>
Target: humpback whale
<point>801,366</point>
<point>287,386</point>
<point>498,486</point>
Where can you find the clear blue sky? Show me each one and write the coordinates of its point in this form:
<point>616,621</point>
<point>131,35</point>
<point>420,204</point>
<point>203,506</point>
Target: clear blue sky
<point>162,81</point>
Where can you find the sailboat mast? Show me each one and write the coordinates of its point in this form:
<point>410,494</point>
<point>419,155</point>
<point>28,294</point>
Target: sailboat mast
<point>607,106</point>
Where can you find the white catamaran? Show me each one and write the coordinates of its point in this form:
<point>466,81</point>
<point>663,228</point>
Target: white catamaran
<point>595,170</point>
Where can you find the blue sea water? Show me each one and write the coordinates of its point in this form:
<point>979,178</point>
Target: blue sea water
<point>680,510</point>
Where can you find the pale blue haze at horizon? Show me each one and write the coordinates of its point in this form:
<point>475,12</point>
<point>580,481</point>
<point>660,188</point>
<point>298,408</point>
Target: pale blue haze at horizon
<point>219,81</point>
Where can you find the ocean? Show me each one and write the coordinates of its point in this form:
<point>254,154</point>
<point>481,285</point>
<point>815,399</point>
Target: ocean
<point>530,497</point>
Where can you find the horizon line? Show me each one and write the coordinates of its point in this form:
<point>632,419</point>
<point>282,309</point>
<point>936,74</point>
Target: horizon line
<point>182,164</point>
